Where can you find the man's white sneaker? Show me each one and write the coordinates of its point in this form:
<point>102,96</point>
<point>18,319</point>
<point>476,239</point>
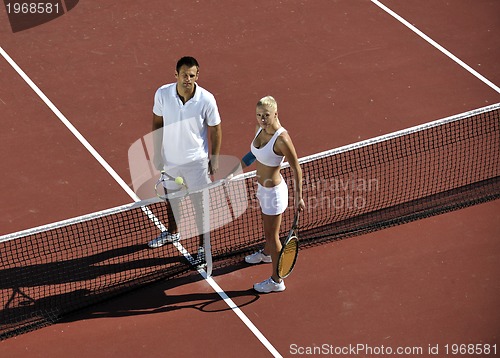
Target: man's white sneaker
<point>200,261</point>
<point>269,286</point>
<point>258,257</point>
<point>164,238</point>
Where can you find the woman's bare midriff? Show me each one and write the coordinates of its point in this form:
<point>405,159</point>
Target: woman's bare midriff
<point>268,176</point>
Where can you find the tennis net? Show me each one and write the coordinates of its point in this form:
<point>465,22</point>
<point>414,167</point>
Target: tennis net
<point>444,165</point>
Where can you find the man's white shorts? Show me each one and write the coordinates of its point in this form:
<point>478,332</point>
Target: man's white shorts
<point>195,175</point>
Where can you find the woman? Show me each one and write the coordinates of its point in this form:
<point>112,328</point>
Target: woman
<point>271,145</point>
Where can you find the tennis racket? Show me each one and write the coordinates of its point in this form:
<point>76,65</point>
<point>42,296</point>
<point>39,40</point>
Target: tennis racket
<point>168,182</point>
<point>289,250</point>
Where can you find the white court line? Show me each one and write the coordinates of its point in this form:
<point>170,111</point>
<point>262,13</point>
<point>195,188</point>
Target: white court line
<point>131,193</point>
<point>68,125</point>
<point>436,45</point>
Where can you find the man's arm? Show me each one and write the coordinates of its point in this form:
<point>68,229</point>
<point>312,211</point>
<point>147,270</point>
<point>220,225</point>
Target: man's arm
<point>216,141</point>
<point>157,141</point>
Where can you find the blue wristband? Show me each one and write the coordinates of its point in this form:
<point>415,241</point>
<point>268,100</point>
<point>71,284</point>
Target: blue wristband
<point>248,159</point>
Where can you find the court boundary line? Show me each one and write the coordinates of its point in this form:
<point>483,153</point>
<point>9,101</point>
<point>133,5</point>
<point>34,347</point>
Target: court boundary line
<point>68,124</point>
<point>436,45</point>
<point>134,197</point>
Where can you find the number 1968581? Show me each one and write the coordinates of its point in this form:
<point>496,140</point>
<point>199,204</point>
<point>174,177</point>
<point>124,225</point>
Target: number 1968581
<point>33,8</point>
<point>471,349</point>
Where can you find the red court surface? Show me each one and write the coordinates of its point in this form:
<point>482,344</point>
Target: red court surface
<point>342,71</point>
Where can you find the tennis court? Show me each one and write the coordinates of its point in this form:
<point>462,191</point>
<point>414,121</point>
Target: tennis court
<point>343,72</point>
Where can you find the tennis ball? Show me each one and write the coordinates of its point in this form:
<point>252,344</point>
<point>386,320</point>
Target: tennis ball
<point>179,181</point>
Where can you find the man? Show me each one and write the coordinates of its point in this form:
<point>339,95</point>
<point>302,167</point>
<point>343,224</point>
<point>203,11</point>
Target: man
<point>185,116</point>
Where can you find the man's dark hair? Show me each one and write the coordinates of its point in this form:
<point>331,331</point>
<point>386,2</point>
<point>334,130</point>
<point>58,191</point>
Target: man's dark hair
<point>187,61</point>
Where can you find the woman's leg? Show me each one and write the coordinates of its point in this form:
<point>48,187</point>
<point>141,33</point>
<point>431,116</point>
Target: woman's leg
<point>272,246</point>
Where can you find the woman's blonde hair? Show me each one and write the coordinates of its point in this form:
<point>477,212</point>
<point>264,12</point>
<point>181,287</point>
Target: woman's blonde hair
<point>268,101</point>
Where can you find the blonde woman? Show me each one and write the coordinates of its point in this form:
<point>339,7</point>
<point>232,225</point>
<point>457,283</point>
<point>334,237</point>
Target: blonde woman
<point>270,146</point>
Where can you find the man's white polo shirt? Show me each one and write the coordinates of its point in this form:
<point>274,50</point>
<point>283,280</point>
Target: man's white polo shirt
<point>185,126</point>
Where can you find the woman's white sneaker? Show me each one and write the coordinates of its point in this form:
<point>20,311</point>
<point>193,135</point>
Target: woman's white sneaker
<point>258,257</point>
<point>269,285</point>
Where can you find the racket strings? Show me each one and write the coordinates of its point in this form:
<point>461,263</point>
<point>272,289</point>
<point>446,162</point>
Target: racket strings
<point>288,258</point>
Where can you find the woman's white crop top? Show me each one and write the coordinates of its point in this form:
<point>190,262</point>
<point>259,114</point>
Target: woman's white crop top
<point>266,154</point>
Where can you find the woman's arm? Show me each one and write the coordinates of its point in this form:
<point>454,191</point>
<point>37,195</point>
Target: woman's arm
<point>286,147</point>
